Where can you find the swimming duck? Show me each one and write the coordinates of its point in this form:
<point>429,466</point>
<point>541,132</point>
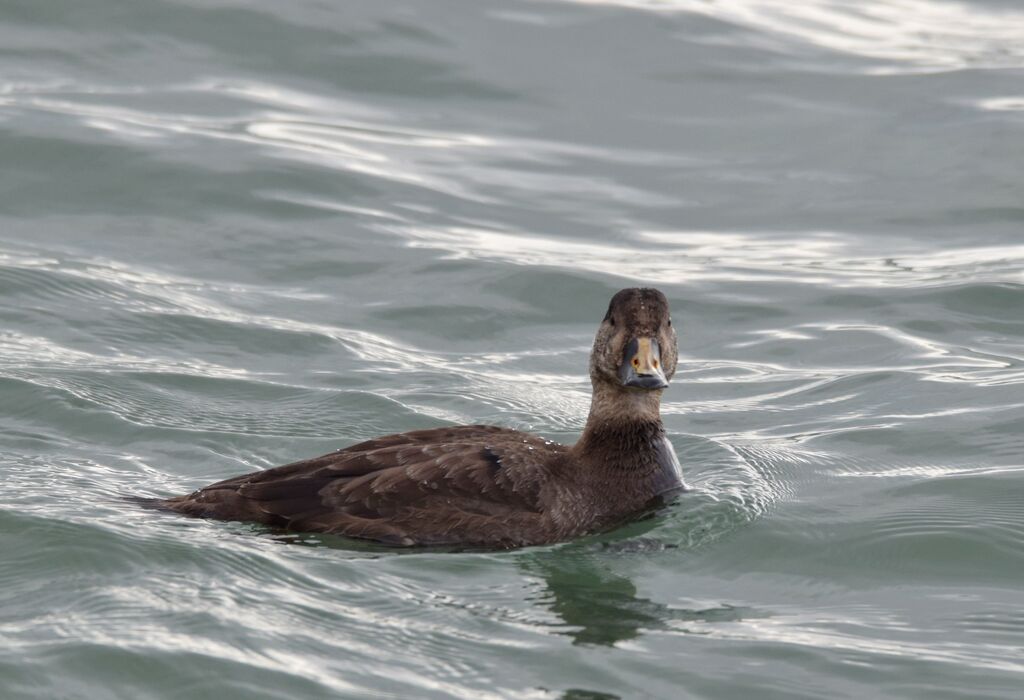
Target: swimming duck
<point>485,486</point>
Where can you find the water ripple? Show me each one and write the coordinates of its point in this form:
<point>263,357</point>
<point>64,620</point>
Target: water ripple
<point>691,257</point>
<point>238,234</point>
<point>898,36</point>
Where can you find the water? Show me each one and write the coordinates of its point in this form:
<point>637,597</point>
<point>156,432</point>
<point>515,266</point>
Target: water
<point>234,234</point>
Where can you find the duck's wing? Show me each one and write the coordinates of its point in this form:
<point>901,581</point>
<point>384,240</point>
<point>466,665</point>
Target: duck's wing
<point>476,485</point>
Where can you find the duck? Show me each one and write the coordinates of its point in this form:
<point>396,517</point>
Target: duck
<point>483,485</point>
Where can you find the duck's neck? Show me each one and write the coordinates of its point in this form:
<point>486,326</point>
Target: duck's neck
<point>623,430</point>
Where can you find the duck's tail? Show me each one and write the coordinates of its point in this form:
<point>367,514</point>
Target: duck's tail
<point>148,503</point>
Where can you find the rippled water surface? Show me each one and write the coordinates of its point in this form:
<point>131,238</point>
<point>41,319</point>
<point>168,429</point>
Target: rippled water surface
<point>234,234</point>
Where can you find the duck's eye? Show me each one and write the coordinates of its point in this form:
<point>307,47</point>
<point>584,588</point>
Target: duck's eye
<point>670,322</point>
<point>611,320</point>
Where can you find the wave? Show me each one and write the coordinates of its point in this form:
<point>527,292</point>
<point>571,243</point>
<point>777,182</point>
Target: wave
<point>894,36</point>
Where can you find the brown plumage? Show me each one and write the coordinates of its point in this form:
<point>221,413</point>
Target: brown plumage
<point>481,485</point>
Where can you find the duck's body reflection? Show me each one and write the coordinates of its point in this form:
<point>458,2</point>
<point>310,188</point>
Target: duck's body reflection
<point>599,606</point>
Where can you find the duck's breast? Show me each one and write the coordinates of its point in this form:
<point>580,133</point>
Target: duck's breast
<point>669,476</point>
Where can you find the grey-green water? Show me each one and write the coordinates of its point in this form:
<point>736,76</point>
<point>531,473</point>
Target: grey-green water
<point>234,234</point>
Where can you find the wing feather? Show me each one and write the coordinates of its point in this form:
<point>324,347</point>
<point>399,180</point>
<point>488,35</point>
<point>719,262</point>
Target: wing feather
<point>464,484</point>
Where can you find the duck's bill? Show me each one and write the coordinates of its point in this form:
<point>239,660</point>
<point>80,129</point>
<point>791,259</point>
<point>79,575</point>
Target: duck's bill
<point>641,365</point>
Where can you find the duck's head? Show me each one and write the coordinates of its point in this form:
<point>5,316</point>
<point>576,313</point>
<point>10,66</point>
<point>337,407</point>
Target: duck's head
<point>635,348</point>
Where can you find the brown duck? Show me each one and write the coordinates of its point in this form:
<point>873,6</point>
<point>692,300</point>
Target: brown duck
<point>481,485</point>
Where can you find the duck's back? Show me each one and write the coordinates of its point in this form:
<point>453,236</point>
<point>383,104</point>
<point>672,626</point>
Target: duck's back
<point>472,485</point>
